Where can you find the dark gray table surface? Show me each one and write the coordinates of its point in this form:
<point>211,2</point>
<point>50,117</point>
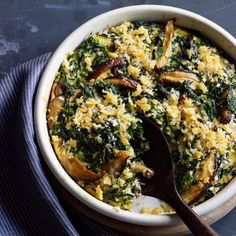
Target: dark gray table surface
<point>29,28</point>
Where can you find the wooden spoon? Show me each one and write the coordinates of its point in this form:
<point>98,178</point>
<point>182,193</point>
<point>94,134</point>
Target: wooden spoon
<point>162,185</point>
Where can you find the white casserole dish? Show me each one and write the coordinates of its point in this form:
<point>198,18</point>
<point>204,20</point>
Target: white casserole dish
<point>158,13</point>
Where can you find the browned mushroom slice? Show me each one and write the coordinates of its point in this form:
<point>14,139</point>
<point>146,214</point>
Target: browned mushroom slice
<point>204,175</point>
<point>54,108</point>
<point>110,63</point>
<point>72,165</point>
<point>178,77</point>
<point>78,170</point>
<point>59,89</point>
<point>117,163</point>
<point>121,82</point>
<point>225,116</point>
<point>52,95</point>
<point>167,45</point>
<point>145,171</point>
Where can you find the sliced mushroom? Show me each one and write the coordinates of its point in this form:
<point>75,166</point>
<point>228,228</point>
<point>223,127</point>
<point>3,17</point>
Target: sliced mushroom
<point>117,163</point>
<point>167,45</point>
<point>52,95</point>
<point>204,175</point>
<point>54,108</point>
<point>72,165</point>
<point>121,82</point>
<point>145,171</point>
<point>225,116</point>
<point>110,63</point>
<point>59,89</point>
<point>178,77</point>
<point>77,169</point>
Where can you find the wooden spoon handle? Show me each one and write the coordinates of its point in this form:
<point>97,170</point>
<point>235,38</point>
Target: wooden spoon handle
<point>190,218</point>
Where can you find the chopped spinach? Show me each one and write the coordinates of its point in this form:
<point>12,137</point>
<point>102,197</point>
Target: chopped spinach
<point>204,101</point>
<point>88,91</point>
<point>184,181</point>
<point>99,60</point>
<point>139,143</point>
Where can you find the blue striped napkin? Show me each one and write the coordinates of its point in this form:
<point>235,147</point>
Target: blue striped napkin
<point>28,205</point>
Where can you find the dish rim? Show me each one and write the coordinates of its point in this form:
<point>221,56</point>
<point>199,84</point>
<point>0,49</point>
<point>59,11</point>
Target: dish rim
<point>43,137</point>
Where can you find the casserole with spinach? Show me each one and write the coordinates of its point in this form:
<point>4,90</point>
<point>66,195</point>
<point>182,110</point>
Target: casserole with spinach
<point>177,79</point>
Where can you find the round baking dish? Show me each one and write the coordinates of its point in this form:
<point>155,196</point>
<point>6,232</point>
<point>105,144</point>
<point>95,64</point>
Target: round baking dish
<point>158,13</point>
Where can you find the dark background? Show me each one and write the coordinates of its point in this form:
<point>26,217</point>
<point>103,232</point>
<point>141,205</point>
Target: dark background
<point>29,28</point>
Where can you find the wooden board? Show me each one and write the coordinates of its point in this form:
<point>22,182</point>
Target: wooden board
<point>131,229</point>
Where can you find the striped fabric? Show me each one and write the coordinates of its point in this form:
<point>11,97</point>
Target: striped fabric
<point>28,206</point>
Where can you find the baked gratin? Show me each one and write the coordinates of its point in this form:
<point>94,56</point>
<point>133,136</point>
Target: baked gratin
<point>174,77</point>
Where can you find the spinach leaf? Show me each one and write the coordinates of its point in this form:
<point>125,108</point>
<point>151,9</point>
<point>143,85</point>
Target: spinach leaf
<point>186,88</point>
<point>88,91</point>
<point>209,106</point>
<point>124,194</point>
<point>205,101</point>
<point>182,43</point>
<point>177,63</point>
<point>99,59</point>
<point>139,143</point>
<point>184,177</point>
<point>185,181</point>
<point>162,92</point>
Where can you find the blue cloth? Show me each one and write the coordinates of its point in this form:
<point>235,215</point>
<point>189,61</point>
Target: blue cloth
<point>28,205</point>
